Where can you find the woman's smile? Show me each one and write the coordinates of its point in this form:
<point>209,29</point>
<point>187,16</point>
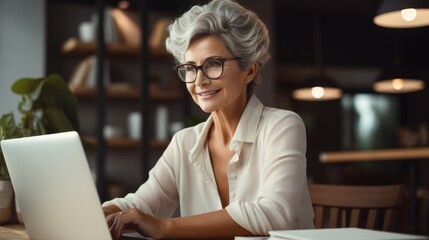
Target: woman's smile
<point>207,94</point>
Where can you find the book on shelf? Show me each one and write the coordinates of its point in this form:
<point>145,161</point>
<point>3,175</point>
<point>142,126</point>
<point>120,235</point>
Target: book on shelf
<point>159,34</point>
<point>85,73</point>
<point>111,32</point>
<point>340,234</point>
<point>127,26</point>
<point>80,74</point>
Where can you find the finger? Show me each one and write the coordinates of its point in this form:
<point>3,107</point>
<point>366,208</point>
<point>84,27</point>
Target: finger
<point>115,226</point>
<point>111,218</point>
<point>119,225</point>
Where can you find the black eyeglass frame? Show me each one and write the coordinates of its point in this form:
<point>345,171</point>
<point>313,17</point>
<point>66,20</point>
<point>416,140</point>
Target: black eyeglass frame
<point>201,67</point>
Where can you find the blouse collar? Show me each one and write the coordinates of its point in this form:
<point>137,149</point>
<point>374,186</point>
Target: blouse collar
<point>246,130</point>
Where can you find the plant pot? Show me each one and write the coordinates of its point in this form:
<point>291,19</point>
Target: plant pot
<point>6,196</point>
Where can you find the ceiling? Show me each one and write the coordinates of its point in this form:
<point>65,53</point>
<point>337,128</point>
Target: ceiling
<point>348,35</point>
<point>341,6</point>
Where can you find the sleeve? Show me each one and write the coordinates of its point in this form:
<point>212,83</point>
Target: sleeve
<point>282,200</point>
<point>158,196</point>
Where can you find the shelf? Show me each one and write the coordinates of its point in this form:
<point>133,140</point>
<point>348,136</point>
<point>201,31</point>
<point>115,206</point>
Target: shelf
<point>129,93</point>
<point>123,142</point>
<point>78,48</point>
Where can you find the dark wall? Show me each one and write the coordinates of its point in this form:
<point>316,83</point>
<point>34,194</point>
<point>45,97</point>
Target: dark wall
<point>349,39</point>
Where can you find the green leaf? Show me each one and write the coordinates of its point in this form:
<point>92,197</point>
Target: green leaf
<point>27,86</point>
<point>8,127</point>
<point>26,104</point>
<point>56,94</point>
<point>4,174</point>
<point>56,121</point>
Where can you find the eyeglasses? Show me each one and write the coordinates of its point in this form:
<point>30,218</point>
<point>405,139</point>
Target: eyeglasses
<point>212,69</point>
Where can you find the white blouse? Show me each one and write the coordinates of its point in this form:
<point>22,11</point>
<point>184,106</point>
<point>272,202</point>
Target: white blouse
<point>267,175</point>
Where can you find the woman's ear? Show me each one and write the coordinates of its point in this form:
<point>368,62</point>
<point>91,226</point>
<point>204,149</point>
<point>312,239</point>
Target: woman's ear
<point>251,72</point>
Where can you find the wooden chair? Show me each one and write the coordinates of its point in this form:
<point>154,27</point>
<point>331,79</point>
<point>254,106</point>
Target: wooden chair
<point>371,207</point>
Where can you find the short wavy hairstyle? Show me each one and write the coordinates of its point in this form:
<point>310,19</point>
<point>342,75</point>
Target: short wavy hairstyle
<point>243,33</point>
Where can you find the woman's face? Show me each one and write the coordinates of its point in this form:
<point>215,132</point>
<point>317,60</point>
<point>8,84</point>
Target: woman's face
<point>225,93</point>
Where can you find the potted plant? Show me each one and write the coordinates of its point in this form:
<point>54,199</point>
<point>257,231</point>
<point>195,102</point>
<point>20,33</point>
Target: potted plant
<point>47,106</point>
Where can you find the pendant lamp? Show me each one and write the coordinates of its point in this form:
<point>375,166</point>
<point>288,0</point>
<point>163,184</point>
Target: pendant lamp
<point>318,87</point>
<point>398,78</point>
<point>403,14</point>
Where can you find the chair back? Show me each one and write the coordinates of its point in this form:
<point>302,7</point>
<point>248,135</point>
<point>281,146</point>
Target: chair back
<point>371,207</point>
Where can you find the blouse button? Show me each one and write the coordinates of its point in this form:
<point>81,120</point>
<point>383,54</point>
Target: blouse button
<point>233,176</point>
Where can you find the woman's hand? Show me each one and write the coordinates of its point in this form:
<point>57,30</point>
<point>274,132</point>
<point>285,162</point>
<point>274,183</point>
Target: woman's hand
<point>110,209</point>
<point>144,224</point>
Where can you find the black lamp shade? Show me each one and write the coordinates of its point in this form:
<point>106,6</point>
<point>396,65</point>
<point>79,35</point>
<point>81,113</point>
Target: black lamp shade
<point>398,79</point>
<point>317,88</point>
<point>390,15</point>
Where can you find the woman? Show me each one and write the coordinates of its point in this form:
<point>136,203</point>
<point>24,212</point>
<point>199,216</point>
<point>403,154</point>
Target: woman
<point>243,171</point>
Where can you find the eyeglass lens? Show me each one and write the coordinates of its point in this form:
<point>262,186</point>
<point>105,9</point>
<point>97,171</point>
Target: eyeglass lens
<point>212,69</point>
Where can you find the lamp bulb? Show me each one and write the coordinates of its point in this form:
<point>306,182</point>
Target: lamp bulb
<point>398,84</point>
<point>317,92</point>
<point>409,14</point>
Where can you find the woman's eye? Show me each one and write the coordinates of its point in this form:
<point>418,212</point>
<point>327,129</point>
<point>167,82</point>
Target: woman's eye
<point>188,68</point>
<point>212,64</point>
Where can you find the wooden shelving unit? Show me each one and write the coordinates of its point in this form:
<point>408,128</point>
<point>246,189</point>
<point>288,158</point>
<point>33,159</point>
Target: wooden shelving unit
<point>110,103</point>
<point>74,47</point>
<point>129,93</point>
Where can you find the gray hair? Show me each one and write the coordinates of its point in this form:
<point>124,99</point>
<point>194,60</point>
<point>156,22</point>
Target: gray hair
<point>243,33</point>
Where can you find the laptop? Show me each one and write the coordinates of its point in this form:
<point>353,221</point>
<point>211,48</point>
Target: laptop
<point>54,187</point>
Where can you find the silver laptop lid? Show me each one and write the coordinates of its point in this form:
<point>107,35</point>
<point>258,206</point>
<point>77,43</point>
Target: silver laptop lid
<point>54,187</point>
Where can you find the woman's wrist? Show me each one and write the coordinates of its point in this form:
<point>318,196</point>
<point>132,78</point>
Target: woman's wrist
<point>167,228</point>
<point>110,209</point>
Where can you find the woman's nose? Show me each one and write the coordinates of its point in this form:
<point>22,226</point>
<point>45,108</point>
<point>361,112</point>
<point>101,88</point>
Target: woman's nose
<point>201,79</point>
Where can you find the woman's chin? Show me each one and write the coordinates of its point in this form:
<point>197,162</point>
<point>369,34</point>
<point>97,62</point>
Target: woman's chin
<point>207,108</point>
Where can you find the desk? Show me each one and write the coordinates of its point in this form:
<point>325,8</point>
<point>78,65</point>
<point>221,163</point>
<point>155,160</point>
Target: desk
<point>375,155</point>
<point>18,232</point>
<point>409,154</point>
<point>13,232</point>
